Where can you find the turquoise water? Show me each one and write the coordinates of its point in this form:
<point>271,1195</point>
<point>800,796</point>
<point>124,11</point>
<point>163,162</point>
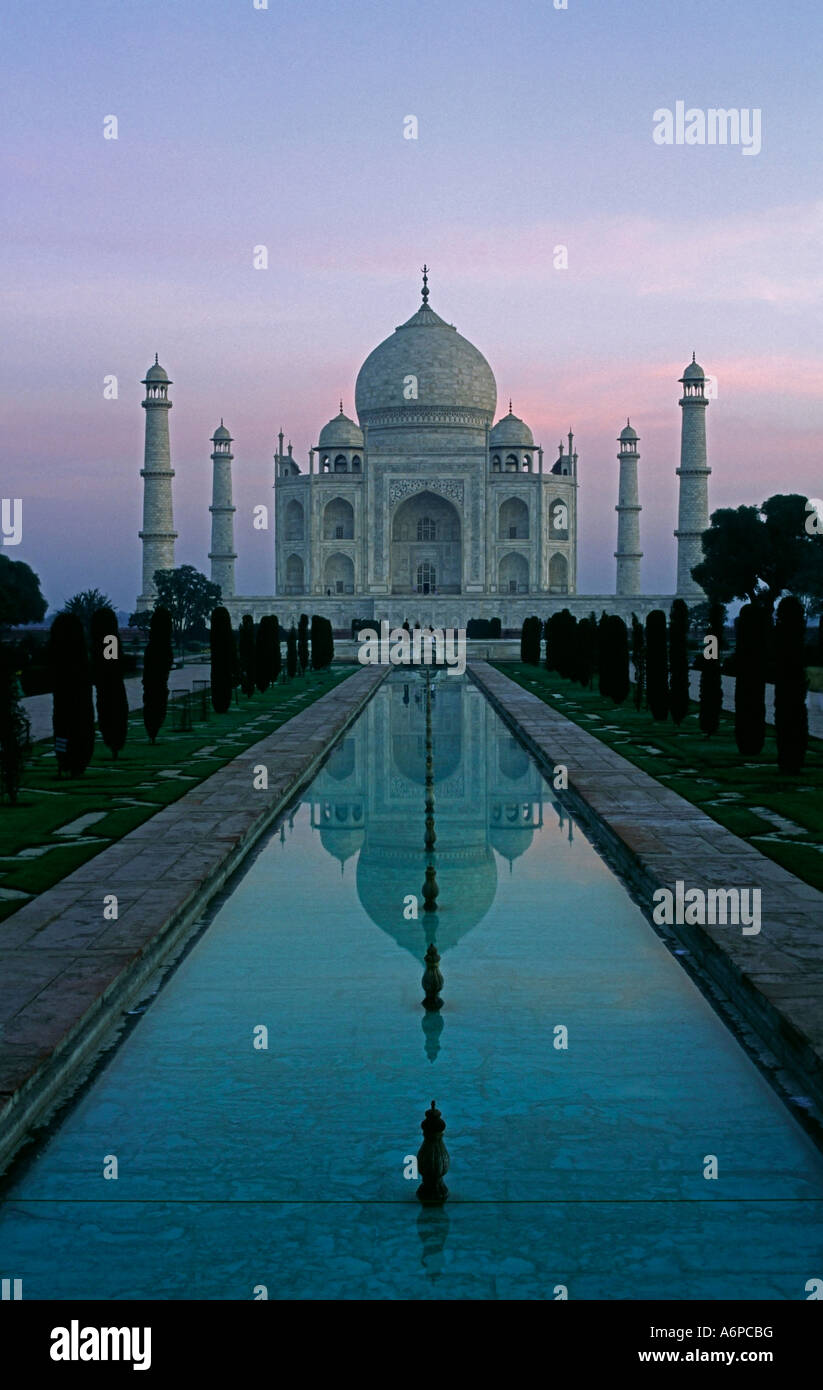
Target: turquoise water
<point>581,1168</point>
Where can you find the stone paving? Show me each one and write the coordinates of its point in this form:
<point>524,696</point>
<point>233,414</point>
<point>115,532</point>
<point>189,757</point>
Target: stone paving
<point>774,978</point>
<point>67,973</point>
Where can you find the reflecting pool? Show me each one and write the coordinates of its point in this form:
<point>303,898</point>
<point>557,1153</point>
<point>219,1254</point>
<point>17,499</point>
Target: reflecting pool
<point>578,1167</point>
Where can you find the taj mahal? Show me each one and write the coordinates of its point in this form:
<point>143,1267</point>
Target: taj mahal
<point>425,508</point>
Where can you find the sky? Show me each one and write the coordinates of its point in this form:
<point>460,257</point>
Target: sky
<point>284,127</point>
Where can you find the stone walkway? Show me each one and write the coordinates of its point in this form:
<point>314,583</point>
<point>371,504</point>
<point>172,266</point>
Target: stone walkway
<point>67,973</point>
<point>775,978</point>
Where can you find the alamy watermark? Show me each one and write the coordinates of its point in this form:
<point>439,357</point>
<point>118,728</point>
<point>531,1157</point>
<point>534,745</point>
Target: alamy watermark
<point>422,646</point>
<point>714,126</point>
<point>713,907</point>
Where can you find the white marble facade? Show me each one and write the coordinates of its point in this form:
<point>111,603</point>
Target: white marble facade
<point>424,508</point>
<point>425,496</point>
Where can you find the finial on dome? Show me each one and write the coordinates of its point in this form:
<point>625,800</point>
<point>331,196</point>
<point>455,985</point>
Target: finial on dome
<point>156,360</point>
<point>341,405</point>
<point>628,422</point>
<point>425,284</point>
<point>510,405</point>
<point>694,356</point>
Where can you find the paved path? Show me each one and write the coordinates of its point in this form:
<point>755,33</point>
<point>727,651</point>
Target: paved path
<point>814,701</point>
<point>38,707</point>
<point>67,974</point>
<point>775,979</point>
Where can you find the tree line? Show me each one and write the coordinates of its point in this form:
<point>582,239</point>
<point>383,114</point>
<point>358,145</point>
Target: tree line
<point>85,662</point>
<point>656,655</point>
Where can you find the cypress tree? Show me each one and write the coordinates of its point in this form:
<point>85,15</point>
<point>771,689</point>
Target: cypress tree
<point>291,653</point>
<point>276,656</point>
<point>246,654</point>
<point>112,701</point>
<point>262,657</point>
<point>791,720</point>
<point>322,642</point>
<point>15,729</point>
<point>750,680</point>
<point>619,682</point>
<point>657,666</point>
<point>530,642</point>
<point>303,643</point>
<point>638,662</point>
<point>568,644</point>
<point>158,660</point>
<point>679,660</point>
<point>221,643</point>
<point>711,675</point>
<point>73,702</point>
<point>584,652</point>
<point>551,642</point>
<point>603,655</point>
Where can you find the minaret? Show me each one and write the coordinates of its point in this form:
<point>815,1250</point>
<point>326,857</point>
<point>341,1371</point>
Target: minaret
<point>628,553</point>
<point>693,513</point>
<point>158,534</point>
<point>222,553</point>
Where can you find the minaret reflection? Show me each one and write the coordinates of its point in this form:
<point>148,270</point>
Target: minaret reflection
<point>369,801</point>
<point>433,1230</point>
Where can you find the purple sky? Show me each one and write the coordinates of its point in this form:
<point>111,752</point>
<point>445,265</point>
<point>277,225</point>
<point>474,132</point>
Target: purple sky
<point>285,127</point>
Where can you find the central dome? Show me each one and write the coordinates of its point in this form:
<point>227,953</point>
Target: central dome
<point>425,373</point>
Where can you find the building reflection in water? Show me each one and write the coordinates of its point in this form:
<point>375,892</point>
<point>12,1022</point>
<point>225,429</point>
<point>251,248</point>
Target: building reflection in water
<point>368,804</point>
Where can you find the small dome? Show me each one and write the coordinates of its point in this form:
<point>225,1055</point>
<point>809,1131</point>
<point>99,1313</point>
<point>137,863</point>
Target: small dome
<point>511,430</point>
<point>628,434</point>
<point>221,432</point>
<point>156,372</point>
<point>341,433</point>
<point>694,371</point>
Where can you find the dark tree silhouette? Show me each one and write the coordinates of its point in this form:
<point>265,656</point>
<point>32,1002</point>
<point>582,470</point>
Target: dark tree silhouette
<point>246,654</point>
<point>711,675</point>
<point>73,704</point>
<point>158,660</point>
<point>638,662</point>
<point>679,661</point>
<point>107,671</point>
<point>657,666</point>
<point>223,659</point>
<point>791,720</point>
<point>15,729</point>
<point>750,678</point>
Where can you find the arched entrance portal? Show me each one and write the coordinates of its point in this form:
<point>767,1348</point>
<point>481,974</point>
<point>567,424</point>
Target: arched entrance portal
<point>426,546</point>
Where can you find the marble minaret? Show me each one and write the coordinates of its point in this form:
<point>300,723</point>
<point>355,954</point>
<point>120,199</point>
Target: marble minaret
<point>158,534</point>
<point>222,553</point>
<point>693,512</point>
<point>628,553</point>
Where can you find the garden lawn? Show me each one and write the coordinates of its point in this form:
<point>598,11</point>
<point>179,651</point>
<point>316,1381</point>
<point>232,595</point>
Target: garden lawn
<point>118,794</point>
<point>781,816</point>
